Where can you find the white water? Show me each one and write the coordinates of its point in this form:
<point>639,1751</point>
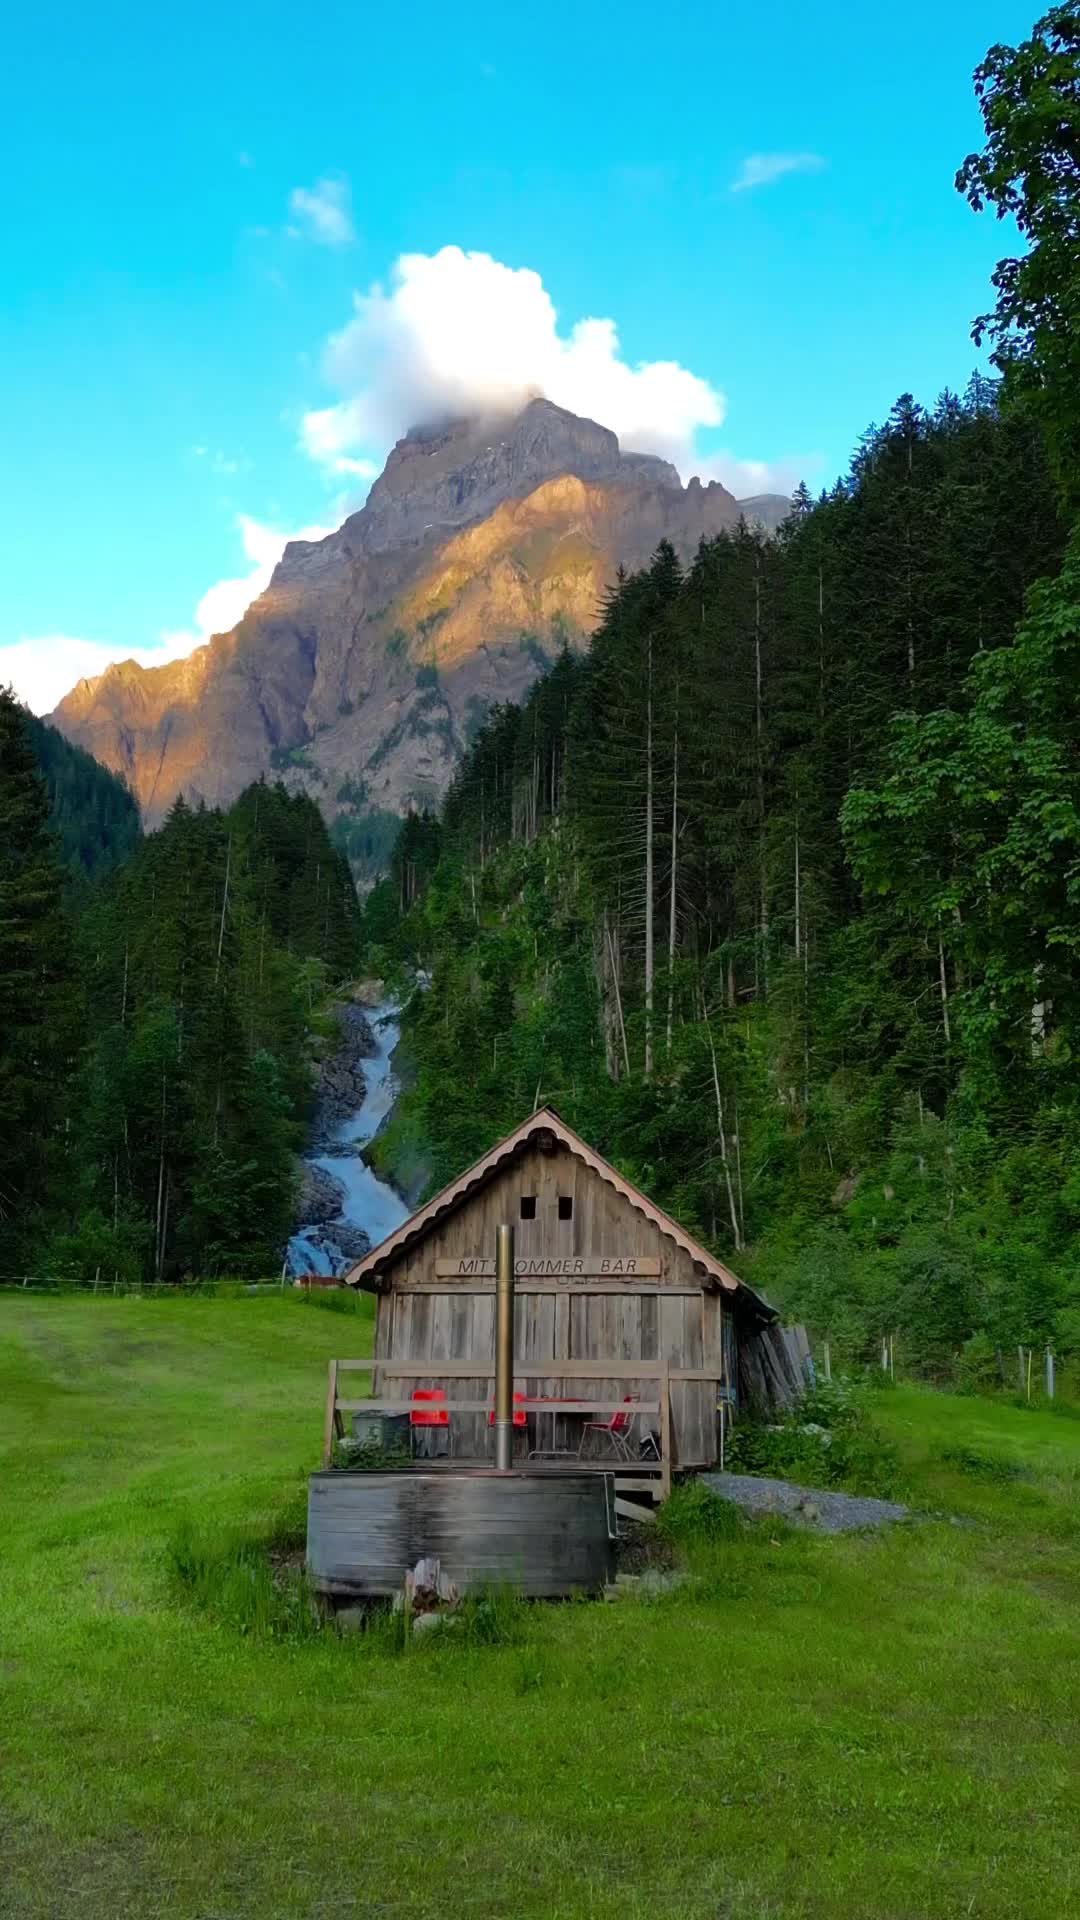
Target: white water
<point>368,1202</point>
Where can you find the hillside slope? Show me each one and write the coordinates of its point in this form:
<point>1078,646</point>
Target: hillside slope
<point>372,657</point>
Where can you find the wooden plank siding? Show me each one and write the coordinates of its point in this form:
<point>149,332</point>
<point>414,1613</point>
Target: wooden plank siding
<point>675,1314</point>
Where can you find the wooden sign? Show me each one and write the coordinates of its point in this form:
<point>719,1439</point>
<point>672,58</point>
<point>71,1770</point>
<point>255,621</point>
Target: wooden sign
<point>586,1266</point>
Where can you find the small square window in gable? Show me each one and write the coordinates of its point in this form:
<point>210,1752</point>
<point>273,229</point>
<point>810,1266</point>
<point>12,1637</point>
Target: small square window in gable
<point>566,1206</point>
<point>528,1206</point>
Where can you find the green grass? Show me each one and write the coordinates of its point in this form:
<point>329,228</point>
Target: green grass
<point>872,1726</point>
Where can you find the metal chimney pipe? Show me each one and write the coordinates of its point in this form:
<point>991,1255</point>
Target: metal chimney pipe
<point>504,1350</point>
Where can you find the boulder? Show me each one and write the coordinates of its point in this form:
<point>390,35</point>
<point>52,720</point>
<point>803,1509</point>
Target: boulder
<point>338,1243</point>
<point>351,1242</point>
<point>368,993</point>
<point>431,1622</point>
<point>320,1196</point>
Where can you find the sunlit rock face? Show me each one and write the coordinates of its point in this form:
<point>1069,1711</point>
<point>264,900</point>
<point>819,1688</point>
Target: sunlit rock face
<point>362,671</point>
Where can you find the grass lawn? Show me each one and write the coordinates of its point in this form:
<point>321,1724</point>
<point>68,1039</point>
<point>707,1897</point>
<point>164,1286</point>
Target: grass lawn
<point>885,1725</point>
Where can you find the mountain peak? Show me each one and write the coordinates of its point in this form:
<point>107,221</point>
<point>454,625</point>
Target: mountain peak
<point>442,476</point>
<point>362,671</point>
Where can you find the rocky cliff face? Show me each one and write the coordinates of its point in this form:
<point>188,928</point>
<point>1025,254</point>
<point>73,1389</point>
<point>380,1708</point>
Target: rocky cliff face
<point>341,1085</point>
<point>373,655</point>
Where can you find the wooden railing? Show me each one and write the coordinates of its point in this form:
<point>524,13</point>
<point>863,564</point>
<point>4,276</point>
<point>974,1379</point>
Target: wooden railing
<point>630,1370</point>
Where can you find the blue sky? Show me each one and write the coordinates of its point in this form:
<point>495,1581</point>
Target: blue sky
<point>195,198</point>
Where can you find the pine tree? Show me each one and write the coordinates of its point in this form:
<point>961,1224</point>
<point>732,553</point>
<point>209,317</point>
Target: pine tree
<point>38,1005</point>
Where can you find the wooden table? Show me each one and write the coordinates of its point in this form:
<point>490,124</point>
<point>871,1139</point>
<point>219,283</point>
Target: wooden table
<point>553,1404</point>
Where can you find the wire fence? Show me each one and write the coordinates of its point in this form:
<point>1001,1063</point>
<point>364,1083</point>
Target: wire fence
<point>1033,1373</point>
<point>115,1287</point>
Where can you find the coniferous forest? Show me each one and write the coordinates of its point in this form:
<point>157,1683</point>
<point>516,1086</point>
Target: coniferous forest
<point>774,893</point>
<point>154,1069</point>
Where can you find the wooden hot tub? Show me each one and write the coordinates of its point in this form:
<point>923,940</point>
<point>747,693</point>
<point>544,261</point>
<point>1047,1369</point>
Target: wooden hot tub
<point>548,1532</point>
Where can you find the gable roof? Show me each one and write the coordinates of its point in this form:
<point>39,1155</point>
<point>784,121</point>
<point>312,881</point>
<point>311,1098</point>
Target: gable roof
<point>546,1120</point>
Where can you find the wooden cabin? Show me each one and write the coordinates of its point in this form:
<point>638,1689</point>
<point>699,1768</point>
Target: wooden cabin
<point>613,1298</point>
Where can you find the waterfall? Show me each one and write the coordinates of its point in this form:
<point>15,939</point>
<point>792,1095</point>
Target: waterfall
<point>368,1205</point>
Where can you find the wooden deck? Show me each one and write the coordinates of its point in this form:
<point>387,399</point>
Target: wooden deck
<point>633,1475</point>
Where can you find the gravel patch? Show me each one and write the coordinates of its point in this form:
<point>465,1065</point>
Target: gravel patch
<point>824,1511</point>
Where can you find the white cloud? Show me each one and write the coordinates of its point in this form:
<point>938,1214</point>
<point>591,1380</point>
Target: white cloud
<point>762,169</point>
<point>360,469</point>
<point>44,668</point>
<point>328,432</point>
<point>460,333</point>
<point>325,212</point>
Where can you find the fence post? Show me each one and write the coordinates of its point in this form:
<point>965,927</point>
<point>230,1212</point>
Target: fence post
<point>331,1417</point>
<point>828,1362</point>
<point>1020,1368</point>
<point>1031,1354</point>
<point>1049,1373</point>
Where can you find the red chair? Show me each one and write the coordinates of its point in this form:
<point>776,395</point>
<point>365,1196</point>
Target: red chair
<point>430,1409</point>
<point>618,1431</point>
<point>519,1416</point>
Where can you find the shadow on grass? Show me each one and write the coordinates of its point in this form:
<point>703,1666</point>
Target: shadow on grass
<point>253,1583</point>
<point>256,1585</point>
